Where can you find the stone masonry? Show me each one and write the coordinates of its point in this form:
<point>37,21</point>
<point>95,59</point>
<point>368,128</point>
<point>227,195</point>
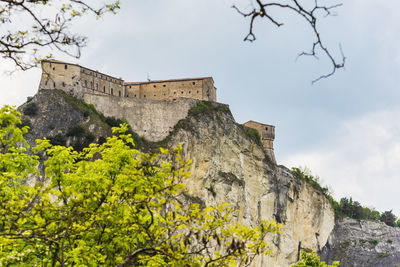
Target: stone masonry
<point>152,107</point>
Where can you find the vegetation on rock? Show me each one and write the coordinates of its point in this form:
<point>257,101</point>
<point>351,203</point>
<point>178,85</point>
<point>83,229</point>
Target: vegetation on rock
<point>346,207</point>
<point>311,259</point>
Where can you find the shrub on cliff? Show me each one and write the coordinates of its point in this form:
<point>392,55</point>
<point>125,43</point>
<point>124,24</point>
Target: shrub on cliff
<point>30,109</point>
<point>311,259</point>
<point>110,205</point>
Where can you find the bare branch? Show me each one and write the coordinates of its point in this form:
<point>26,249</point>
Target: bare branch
<point>50,30</point>
<point>263,10</point>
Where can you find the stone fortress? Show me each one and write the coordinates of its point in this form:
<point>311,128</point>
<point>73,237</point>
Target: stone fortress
<point>159,104</point>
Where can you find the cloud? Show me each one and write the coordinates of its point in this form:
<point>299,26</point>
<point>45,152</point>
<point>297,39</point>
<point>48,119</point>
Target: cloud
<point>15,88</point>
<point>361,159</point>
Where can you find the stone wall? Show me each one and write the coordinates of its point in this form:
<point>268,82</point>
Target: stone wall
<point>196,88</point>
<point>76,80</point>
<point>151,119</point>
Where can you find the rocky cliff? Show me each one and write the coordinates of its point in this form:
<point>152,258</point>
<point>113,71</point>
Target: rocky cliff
<point>363,243</point>
<point>229,165</point>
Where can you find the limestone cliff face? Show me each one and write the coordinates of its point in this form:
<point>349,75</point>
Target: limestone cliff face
<point>230,166</point>
<point>363,243</point>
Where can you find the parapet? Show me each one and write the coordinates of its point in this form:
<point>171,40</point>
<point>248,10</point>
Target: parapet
<point>267,135</point>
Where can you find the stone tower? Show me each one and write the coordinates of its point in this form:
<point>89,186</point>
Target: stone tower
<point>267,135</point>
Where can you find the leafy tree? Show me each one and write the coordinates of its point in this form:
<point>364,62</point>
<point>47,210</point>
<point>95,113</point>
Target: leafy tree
<point>388,217</point>
<point>46,24</point>
<point>110,205</point>
<point>311,259</point>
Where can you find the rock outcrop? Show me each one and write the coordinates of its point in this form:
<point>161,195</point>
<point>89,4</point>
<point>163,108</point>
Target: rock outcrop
<point>230,165</point>
<point>363,243</point>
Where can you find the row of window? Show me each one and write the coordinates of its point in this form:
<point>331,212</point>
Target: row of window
<point>101,76</point>
<point>164,85</point>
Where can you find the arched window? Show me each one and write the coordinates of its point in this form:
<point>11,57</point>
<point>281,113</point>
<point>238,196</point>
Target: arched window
<point>104,89</point>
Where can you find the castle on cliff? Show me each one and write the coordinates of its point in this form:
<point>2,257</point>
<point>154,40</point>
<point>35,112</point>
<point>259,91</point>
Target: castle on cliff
<point>167,100</point>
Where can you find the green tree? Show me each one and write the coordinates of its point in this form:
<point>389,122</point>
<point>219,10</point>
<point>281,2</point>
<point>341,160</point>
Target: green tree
<point>46,24</point>
<point>110,205</point>
<point>388,217</point>
<point>311,259</point>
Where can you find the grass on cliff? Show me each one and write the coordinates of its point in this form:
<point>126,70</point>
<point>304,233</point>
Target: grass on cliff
<point>88,110</point>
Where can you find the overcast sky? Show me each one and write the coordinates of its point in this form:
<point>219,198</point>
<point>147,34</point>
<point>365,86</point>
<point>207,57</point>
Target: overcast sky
<point>346,129</point>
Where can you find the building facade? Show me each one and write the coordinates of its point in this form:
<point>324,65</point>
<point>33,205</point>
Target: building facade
<point>267,136</point>
<point>77,80</point>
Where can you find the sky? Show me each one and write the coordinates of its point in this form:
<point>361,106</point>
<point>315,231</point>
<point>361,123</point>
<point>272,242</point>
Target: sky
<point>346,129</point>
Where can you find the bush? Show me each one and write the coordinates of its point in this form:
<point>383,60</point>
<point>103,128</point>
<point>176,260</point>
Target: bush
<point>25,122</point>
<point>101,140</point>
<point>388,217</point>
<point>77,131</point>
<point>30,109</point>
<point>253,133</point>
<point>114,122</point>
<point>57,140</point>
<point>374,242</point>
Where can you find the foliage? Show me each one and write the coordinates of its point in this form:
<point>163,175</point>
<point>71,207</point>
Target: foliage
<point>207,106</point>
<point>30,109</point>
<point>110,205</point>
<point>57,140</point>
<point>311,259</point>
<point>253,133</point>
<point>113,122</point>
<point>388,217</point>
<point>305,174</point>
<point>46,24</point>
<point>77,131</point>
<point>346,207</point>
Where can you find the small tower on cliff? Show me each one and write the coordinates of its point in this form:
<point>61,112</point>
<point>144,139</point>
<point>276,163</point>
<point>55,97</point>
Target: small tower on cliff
<point>267,135</point>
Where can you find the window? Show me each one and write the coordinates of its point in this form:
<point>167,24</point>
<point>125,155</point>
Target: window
<point>54,84</point>
<point>155,95</point>
<point>154,86</point>
<point>144,96</point>
<point>266,128</point>
<point>112,91</point>
<point>194,83</point>
<point>164,85</point>
<point>91,85</point>
<point>104,89</point>
<point>174,93</point>
<point>134,96</point>
<point>65,66</point>
<point>127,95</point>
<point>54,68</point>
<point>85,83</point>
<point>197,91</point>
<point>182,92</point>
<point>130,86</point>
<point>63,84</point>
<point>97,87</point>
<point>119,93</point>
<point>190,92</point>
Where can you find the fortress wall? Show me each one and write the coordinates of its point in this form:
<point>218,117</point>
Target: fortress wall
<point>150,119</point>
<point>61,76</point>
